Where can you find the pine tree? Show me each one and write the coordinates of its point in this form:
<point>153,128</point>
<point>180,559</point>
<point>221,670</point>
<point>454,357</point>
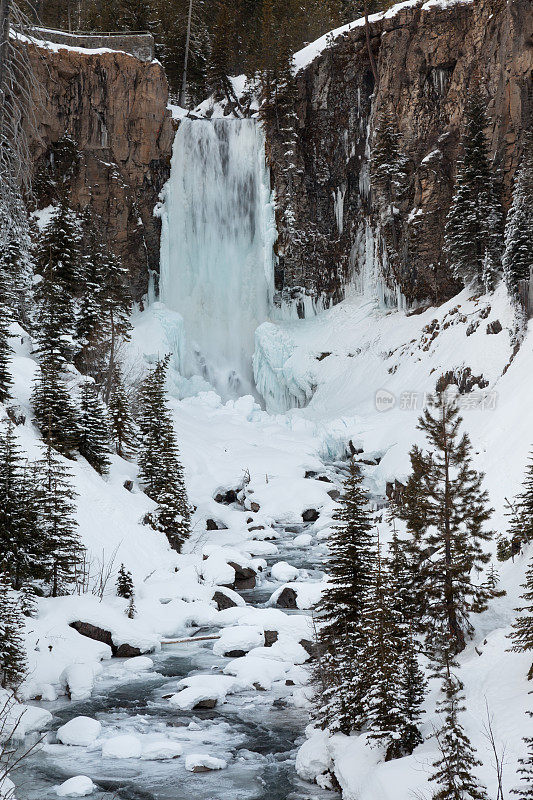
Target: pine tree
<point>59,262</point>
<point>521,524</point>
<point>124,583</point>
<point>12,652</point>
<point>22,542</point>
<point>349,568</point>
<point>55,414</point>
<point>474,222</point>
<point>6,381</point>
<point>380,631</point>
<point>160,469</point>
<point>130,613</point>
<point>412,690</point>
<point>122,424</point>
<point>388,163</point>
<point>517,259</point>
<point>522,633</point>
<point>448,535</point>
<point>526,770</point>
<point>454,770</point>
<point>57,519</point>
<point>93,429</point>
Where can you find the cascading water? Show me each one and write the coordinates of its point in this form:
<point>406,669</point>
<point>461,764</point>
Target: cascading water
<point>218,231</point>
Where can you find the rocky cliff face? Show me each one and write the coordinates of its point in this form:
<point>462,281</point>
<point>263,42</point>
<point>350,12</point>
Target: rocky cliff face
<point>428,57</point>
<point>114,107</point>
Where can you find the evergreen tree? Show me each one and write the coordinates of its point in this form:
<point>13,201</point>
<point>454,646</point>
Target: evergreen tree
<point>474,222</point>
<point>448,535</point>
<point>21,539</point>
<point>6,381</point>
<point>412,690</point>
<point>93,429</point>
<point>160,469</point>
<point>381,632</point>
<point>131,608</point>
<point>522,633</point>
<point>122,424</point>
<point>521,523</point>
<point>388,163</point>
<point>124,583</point>
<point>12,653</point>
<point>526,770</point>
<point>55,414</point>
<point>517,259</point>
<point>349,568</point>
<point>57,519</point>
<point>59,262</point>
<point>454,770</point>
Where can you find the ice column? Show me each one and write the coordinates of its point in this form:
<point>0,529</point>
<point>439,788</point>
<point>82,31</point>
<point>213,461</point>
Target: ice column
<point>218,232</point>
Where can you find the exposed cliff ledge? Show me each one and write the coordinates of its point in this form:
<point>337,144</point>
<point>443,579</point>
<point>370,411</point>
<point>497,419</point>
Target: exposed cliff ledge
<point>428,56</point>
<point>115,108</point>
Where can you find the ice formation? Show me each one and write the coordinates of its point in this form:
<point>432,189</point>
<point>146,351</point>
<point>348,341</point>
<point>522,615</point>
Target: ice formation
<point>218,231</point>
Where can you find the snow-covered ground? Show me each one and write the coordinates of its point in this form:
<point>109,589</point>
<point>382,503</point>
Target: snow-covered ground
<point>363,372</point>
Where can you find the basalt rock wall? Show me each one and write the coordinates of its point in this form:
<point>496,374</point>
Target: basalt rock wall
<point>429,56</point>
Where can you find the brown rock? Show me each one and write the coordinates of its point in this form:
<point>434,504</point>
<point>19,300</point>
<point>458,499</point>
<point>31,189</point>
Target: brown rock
<point>244,576</point>
<point>123,650</point>
<point>287,598</point>
<point>270,638</point>
<point>223,601</point>
<point>205,704</point>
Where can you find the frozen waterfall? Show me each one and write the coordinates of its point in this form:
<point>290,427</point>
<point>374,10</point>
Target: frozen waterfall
<point>218,232</point>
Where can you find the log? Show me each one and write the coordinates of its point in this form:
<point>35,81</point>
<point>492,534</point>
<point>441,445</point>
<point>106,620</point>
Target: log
<point>190,639</point>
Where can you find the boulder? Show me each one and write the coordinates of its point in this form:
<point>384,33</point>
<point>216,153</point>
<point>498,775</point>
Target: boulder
<point>309,647</point>
<point>223,601</point>
<point>334,494</point>
<point>123,650</point>
<point>215,525</point>
<point>270,638</point>
<point>244,576</point>
<point>205,704</point>
<point>310,515</point>
<point>287,598</point>
<point>494,327</point>
<point>128,485</point>
<point>228,497</point>
<point>255,507</point>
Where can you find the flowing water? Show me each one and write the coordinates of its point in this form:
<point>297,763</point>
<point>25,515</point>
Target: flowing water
<point>256,732</point>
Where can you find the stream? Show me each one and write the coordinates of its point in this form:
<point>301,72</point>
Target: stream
<point>256,732</point>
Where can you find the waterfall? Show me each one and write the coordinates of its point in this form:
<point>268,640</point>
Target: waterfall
<point>218,232</point>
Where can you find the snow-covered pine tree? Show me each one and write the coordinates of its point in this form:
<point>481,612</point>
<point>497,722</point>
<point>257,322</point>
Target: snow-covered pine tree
<point>57,519</point>
<point>122,424</point>
<point>517,259</point>
<point>526,770</point>
<point>160,468</point>
<point>55,414</point>
<point>412,691</point>
<point>90,328</point>
<point>12,653</point>
<point>116,308</point>
<point>349,568</point>
<point>388,163</point>
<point>522,633</point>
<point>59,262</point>
<point>124,583</point>
<point>381,634</point>
<point>131,611</point>
<point>474,223</point>
<point>451,528</point>
<point>521,522</point>
<point>94,432</point>
<point>21,539</point>
<point>6,381</point>
<point>453,772</point>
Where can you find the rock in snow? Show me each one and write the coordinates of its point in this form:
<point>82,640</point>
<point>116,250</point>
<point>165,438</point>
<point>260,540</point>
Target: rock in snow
<point>198,762</point>
<point>81,731</point>
<point>125,746</point>
<point>79,786</point>
<point>78,680</point>
<point>240,639</point>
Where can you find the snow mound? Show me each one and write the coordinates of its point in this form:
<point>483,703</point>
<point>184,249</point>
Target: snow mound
<point>199,688</point>
<point>303,540</point>
<point>313,758</point>
<point>81,731</point>
<point>161,750</point>
<point>78,680</point>
<point>307,594</point>
<point>138,664</point>
<point>79,786</point>
<point>124,746</point>
<point>261,671</point>
<point>284,572</point>
<point>243,637</point>
<point>199,762</point>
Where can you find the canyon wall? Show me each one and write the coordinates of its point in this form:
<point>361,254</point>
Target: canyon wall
<point>114,109</point>
<point>429,56</point>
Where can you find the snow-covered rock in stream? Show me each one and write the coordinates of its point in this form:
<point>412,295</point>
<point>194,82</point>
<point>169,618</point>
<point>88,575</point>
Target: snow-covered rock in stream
<point>78,679</point>
<point>138,664</point>
<point>297,595</point>
<point>201,688</point>
<point>238,640</point>
<point>313,759</point>
<point>124,746</point>
<point>284,572</point>
<point>200,762</point>
<point>161,750</point>
<point>78,786</point>
<point>81,731</point>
